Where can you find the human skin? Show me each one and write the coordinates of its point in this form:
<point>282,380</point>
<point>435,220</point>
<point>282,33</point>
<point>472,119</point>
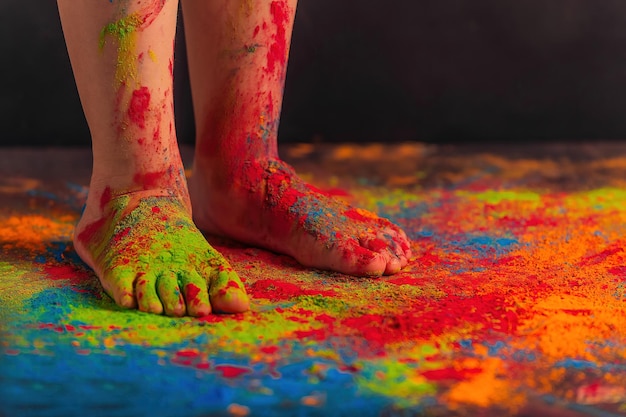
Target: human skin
<point>240,188</point>
<point>137,231</point>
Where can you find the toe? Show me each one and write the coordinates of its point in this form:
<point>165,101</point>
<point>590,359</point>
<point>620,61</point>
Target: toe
<point>403,261</point>
<point>119,283</point>
<point>393,265</point>
<point>196,294</point>
<point>361,261</point>
<point>398,236</point>
<point>145,291</point>
<point>385,244</point>
<point>405,244</point>
<point>227,293</point>
<point>398,251</point>
<point>170,295</point>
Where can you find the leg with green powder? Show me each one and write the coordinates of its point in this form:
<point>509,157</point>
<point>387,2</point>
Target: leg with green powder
<point>239,187</point>
<point>136,231</point>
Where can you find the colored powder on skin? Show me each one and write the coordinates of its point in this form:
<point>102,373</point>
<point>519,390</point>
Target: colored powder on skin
<point>124,31</point>
<point>105,198</point>
<point>192,292</point>
<point>139,104</point>
<point>157,233</point>
<point>277,52</point>
<point>149,180</point>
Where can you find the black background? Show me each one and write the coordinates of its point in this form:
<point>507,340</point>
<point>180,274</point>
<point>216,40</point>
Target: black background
<point>362,70</point>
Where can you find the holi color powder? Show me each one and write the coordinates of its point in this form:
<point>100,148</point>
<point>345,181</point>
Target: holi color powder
<point>512,305</point>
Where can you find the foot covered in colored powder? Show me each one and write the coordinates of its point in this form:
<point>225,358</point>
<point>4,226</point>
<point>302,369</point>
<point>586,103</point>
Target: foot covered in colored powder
<point>149,255</point>
<point>269,206</point>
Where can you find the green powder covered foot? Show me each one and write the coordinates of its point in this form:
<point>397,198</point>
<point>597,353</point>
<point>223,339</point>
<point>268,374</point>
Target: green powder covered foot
<point>149,255</point>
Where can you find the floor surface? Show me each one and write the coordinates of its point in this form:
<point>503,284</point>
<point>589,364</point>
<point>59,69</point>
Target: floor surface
<point>514,303</point>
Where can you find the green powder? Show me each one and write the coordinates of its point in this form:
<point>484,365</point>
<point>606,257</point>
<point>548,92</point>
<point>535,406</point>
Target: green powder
<point>124,31</point>
<point>496,197</point>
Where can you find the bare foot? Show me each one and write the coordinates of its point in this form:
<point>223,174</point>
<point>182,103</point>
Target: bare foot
<point>148,254</point>
<point>268,205</point>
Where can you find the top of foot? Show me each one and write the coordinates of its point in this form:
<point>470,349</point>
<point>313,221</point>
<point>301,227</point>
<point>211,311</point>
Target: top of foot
<point>269,206</point>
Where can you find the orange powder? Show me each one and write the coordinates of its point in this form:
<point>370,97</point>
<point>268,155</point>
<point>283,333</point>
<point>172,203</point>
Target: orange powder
<point>31,232</point>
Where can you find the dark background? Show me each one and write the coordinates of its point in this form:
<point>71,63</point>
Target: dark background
<point>363,70</point>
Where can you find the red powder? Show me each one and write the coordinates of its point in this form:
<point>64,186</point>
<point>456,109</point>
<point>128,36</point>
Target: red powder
<point>429,259</point>
<point>256,31</point>
<point>317,334</point>
<point>68,272</point>
<point>353,214</point>
<point>232,284</point>
<point>139,103</point>
<point>105,198</point>
<point>338,192</point>
<point>450,374</point>
<point>325,318</point>
<point>203,365</point>
<point>192,292</point>
<point>229,371</point>
<point>599,257</point>
<point>171,68</point>
<point>270,350</point>
<point>187,353</point>
<point>121,234</point>
<point>150,12</point>
<point>428,318</point>
<point>277,53</point>
<point>156,209</point>
<point>91,230</point>
<point>213,318</point>
<point>620,271</point>
<point>89,327</point>
<point>406,280</point>
<point>149,179</point>
<point>363,256</point>
<point>377,245</point>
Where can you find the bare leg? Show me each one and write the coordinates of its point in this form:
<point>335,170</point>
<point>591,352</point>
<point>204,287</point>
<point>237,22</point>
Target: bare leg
<point>240,188</point>
<point>136,231</point>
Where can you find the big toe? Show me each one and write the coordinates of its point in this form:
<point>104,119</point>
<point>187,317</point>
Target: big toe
<point>361,261</point>
<point>386,245</point>
<point>227,293</point>
<point>393,266</point>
